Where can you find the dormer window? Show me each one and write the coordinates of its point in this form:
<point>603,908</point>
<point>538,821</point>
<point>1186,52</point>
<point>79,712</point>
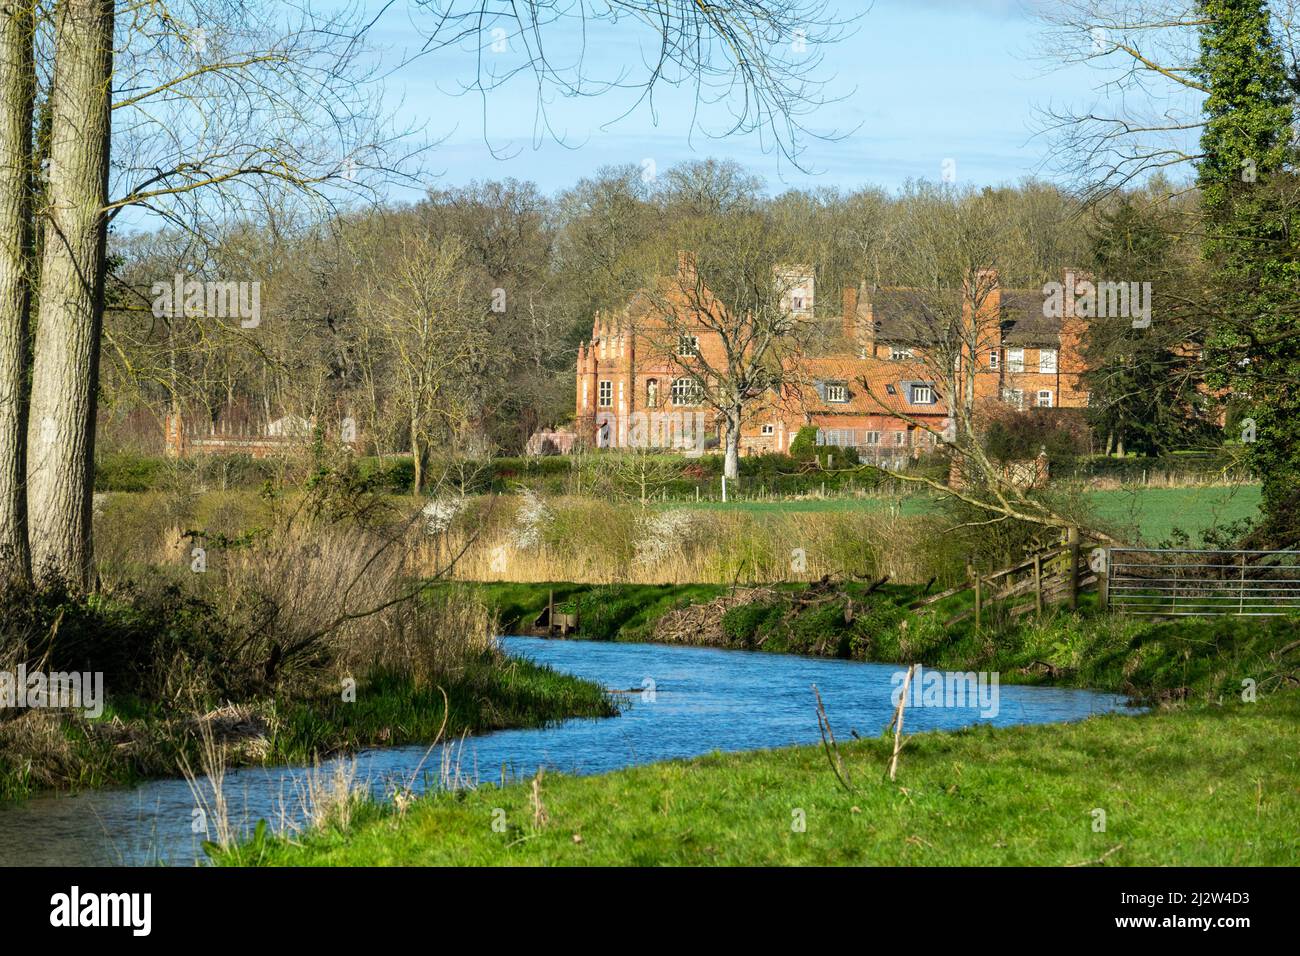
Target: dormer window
<point>898,353</point>
<point>890,390</point>
<point>922,395</point>
<point>837,392</point>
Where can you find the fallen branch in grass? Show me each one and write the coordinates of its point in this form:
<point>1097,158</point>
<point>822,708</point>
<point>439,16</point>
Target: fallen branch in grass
<point>897,722</point>
<point>828,743</point>
<point>1101,859</point>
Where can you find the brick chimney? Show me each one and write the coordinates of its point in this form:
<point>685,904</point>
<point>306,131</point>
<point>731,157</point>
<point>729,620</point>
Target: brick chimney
<point>686,271</point>
<point>865,338</point>
<point>987,293</point>
<point>849,313</point>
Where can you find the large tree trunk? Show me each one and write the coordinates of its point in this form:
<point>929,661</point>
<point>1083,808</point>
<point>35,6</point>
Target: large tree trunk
<point>17,90</point>
<point>731,464</point>
<point>65,370</point>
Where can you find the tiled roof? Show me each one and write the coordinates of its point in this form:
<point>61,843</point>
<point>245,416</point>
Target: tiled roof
<point>915,316</point>
<point>872,398</point>
<point>1023,322</point>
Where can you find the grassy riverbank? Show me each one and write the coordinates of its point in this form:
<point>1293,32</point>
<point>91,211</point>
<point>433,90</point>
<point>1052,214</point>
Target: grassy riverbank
<point>1201,659</point>
<point>284,647</point>
<point>129,742</point>
<point>1204,785</point>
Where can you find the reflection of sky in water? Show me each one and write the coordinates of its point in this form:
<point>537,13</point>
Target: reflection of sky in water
<point>703,700</point>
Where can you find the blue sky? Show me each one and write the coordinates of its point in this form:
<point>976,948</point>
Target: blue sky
<point>921,81</point>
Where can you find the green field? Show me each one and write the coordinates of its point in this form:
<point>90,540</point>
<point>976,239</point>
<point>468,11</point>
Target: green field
<point>1156,512</point>
<point>1211,786</point>
<point>1152,513</point>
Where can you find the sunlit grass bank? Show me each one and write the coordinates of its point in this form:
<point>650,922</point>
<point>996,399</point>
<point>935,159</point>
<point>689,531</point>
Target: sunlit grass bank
<point>1210,785</point>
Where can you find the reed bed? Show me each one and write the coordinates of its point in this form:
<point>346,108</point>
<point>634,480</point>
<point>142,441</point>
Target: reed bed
<point>590,541</point>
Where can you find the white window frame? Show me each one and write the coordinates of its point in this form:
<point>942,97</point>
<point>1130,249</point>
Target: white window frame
<point>900,439</point>
<point>686,392</point>
<point>993,359</point>
<point>1047,361</point>
<point>1015,360</point>
<point>899,353</point>
<point>922,395</point>
<point>1038,399</point>
<point>688,346</point>
<point>1014,397</point>
<point>769,429</point>
<point>873,438</point>
<point>605,393</point>
<point>837,393</point>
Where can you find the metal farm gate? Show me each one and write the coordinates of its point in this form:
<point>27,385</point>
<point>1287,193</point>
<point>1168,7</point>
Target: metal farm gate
<point>1183,582</point>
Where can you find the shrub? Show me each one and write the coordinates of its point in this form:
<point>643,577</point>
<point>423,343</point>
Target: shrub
<point>124,471</point>
<point>743,622</point>
<point>804,445</point>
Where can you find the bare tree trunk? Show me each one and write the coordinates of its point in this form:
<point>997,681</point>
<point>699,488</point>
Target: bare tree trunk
<point>17,90</point>
<point>65,369</point>
<point>731,465</point>
<point>417,459</point>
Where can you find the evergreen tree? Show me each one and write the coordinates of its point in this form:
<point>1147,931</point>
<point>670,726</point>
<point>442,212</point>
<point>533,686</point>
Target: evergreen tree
<point>1246,176</point>
<point>1142,384</point>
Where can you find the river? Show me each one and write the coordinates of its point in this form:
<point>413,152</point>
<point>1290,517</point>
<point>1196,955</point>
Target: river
<point>677,702</point>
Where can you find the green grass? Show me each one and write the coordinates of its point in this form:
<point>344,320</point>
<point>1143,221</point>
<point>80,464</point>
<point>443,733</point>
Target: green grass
<point>918,504</point>
<point>1207,786</point>
<point>1155,512</point>
<point>1200,658</point>
<point>1150,514</point>
<point>483,695</point>
<point>607,612</point>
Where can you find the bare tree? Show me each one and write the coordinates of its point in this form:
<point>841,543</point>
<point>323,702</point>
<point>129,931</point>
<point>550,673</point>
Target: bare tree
<point>204,112</point>
<point>727,323</point>
<point>417,299</point>
<point>761,59</point>
<point>17,89</point>
<point>950,316</point>
<point>1145,54</point>
<point>61,441</point>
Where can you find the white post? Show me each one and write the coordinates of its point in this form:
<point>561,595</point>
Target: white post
<point>724,488</point>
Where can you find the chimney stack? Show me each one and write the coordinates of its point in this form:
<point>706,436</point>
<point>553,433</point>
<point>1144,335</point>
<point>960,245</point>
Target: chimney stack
<point>686,272</point>
<point>849,313</point>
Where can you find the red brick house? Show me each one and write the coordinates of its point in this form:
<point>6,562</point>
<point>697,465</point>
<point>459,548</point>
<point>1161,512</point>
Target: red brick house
<point>874,386</point>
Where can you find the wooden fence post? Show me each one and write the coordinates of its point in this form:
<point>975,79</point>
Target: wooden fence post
<point>1038,585</point>
<point>979,603</point>
<point>1103,581</point>
<point>1072,572</point>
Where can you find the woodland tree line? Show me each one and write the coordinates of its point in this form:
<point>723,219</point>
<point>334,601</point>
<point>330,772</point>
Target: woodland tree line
<point>462,313</point>
<point>255,134</point>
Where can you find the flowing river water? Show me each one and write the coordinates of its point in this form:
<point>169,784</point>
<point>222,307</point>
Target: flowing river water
<point>677,702</point>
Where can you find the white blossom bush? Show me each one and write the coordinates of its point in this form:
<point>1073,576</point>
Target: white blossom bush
<point>440,513</point>
<point>531,521</point>
<point>664,533</point>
